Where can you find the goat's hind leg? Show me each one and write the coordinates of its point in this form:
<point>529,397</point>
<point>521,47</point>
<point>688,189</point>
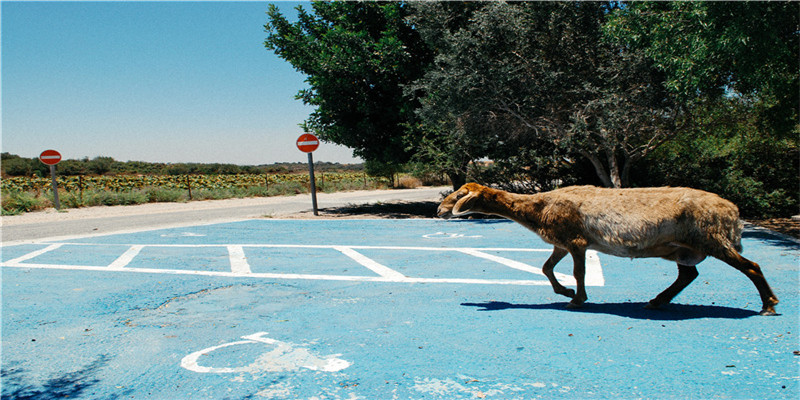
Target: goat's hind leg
<point>752,271</point>
<point>686,274</point>
<point>547,270</point>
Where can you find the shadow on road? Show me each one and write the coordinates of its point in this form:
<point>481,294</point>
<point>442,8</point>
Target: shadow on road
<point>671,312</point>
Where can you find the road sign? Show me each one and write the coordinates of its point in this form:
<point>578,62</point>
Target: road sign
<point>50,157</point>
<point>307,143</point>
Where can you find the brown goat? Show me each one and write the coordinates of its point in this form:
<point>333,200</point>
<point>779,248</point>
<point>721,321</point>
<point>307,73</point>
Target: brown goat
<point>677,224</point>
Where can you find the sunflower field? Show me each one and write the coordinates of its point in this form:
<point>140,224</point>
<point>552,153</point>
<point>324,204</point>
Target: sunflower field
<point>23,194</point>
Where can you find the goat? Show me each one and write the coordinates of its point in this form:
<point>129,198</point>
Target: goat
<point>678,224</point>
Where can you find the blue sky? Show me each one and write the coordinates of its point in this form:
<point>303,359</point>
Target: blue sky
<point>150,81</point>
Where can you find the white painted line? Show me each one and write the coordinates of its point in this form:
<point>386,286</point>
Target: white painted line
<point>594,272</point>
<point>33,254</point>
<point>126,257</point>
<point>286,276</point>
<point>376,267</point>
<point>282,357</point>
<point>564,279</point>
<point>239,263</point>
<point>241,268</point>
<point>312,246</point>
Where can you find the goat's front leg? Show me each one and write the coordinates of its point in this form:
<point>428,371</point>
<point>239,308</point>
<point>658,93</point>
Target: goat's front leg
<point>547,270</point>
<point>579,272</point>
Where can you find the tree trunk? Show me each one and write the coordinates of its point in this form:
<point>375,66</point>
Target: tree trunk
<point>457,179</point>
<point>599,168</point>
<point>613,169</point>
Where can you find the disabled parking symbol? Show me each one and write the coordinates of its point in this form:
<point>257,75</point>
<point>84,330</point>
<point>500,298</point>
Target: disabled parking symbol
<point>280,357</point>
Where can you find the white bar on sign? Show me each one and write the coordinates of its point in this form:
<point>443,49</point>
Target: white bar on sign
<point>307,143</point>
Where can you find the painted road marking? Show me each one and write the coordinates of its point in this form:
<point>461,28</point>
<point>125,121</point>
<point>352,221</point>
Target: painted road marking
<point>238,260</point>
<point>445,235</point>
<point>126,257</point>
<point>283,358</point>
<point>239,266</point>
<point>376,267</point>
<point>34,254</point>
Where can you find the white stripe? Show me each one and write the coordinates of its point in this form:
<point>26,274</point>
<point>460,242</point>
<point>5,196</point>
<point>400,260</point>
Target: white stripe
<point>126,257</point>
<point>321,246</point>
<point>564,279</point>
<point>36,253</point>
<point>376,267</point>
<point>307,143</point>
<point>240,267</point>
<point>239,263</point>
<point>287,276</point>
<point>594,272</point>
<point>50,158</point>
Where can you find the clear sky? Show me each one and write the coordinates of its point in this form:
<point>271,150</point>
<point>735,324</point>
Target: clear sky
<point>150,81</point>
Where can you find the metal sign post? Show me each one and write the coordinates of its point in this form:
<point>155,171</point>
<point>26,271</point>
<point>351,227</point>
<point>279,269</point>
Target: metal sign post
<point>307,143</point>
<point>51,158</point>
<point>313,183</point>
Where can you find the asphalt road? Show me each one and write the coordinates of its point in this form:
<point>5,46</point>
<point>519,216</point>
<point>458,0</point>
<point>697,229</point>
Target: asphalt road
<point>381,309</point>
<point>184,214</point>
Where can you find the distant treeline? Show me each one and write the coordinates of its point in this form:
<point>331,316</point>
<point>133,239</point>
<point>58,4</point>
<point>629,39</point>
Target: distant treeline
<point>14,165</point>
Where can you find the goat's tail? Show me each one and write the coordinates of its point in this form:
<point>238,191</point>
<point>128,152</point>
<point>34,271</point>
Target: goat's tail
<point>737,236</point>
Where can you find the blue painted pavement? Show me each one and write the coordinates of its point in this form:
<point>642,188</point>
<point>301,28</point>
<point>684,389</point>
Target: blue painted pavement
<point>380,309</point>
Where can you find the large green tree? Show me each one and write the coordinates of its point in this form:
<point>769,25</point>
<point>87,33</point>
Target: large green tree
<point>537,82</point>
<point>717,49</point>
<point>357,57</point>
<point>736,66</point>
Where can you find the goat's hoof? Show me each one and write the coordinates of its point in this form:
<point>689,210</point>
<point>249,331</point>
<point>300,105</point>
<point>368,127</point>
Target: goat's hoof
<point>573,305</point>
<point>652,305</point>
<point>768,312</point>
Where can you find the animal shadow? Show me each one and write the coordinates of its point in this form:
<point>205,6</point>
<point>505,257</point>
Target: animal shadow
<point>670,312</point>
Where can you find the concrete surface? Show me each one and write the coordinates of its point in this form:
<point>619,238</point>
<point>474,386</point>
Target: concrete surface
<point>380,309</point>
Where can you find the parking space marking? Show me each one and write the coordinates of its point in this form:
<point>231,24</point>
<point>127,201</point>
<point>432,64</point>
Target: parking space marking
<point>238,260</point>
<point>126,257</point>
<point>239,266</point>
<point>34,254</point>
<point>376,267</point>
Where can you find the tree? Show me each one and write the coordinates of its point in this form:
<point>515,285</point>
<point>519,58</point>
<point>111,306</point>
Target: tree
<point>711,50</point>
<point>357,56</point>
<point>735,66</point>
<point>520,78</point>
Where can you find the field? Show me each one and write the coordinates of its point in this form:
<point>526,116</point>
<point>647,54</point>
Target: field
<point>23,194</point>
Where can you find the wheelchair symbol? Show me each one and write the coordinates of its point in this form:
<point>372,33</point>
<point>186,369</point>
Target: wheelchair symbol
<point>283,357</point>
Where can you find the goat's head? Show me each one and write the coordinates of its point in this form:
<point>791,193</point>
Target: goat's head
<point>461,202</point>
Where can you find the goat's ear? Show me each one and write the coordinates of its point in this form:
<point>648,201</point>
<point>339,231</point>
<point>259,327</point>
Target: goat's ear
<point>464,205</point>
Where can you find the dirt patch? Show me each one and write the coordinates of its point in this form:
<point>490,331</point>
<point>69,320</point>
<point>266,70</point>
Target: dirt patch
<point>786,226</point>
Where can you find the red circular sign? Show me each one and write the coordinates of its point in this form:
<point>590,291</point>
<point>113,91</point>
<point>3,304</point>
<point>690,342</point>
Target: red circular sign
<point>307,143</point>
<point>50,157</point>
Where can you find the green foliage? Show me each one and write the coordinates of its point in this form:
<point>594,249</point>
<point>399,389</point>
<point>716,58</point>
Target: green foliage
<point>17,202</point>
<point>534,85</point>
<point>357,56</point>
<point>14,165</point>
<point>728,154</point>
<point>23,194</point>
<point>714,49</point>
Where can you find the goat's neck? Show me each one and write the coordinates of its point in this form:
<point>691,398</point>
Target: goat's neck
<point>521,208</point>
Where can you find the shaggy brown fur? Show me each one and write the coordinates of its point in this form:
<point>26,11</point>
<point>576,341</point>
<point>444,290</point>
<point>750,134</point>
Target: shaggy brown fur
<point>677,224</point>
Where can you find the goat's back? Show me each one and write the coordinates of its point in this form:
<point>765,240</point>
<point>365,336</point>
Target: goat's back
<point>648,217</point>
